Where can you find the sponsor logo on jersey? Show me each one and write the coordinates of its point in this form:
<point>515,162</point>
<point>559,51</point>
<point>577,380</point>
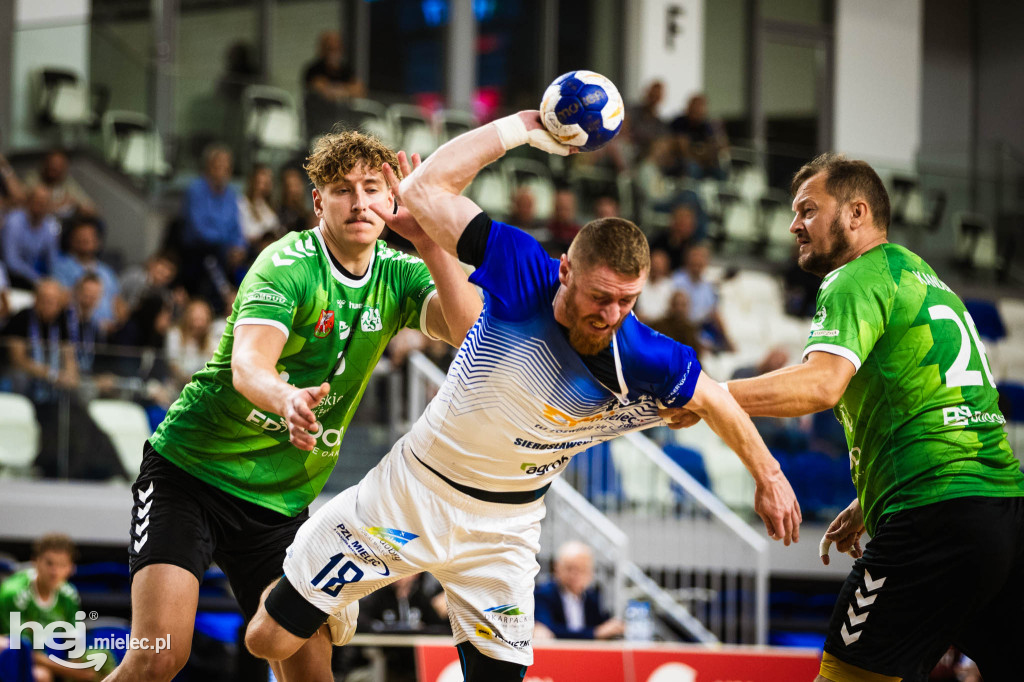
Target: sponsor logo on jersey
<point>344,329</point>
<point>369,320</point>
<point>962,415</point>
<point>505,610</point>
<point>394,538</point>
<point>331,438</point>
<point>533,445</point>
<point>531,468</point>
<point>819,319</point>
<point>487,633</point>
<point>324,325</point>
<point>361,550</point>
<point>266,295</point>
<point>824,332</point>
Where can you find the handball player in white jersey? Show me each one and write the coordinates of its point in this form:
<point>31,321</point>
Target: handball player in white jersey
<point>555,364</point>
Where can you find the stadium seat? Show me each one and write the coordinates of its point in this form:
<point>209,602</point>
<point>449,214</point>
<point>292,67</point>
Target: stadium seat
<point>491,191</point>
<point>127,425</point>
<point>986,318</point>
<point>1012,401</point>
<point>270,118</point>
<point>537,178</point>
<point>452,123</point>
<point>132,145</point>
<point>19,432</point>
<point>60,97</point>
<point>644,485</point>
<point>1011,310</point>
<point>413,131</point>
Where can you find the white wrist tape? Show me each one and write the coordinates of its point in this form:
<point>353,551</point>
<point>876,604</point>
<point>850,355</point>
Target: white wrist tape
<point>725,385</point>
<point>512,131</point>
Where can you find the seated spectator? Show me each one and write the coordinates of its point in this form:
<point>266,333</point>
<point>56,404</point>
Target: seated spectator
<point>606,206</point>
<point>5,299</point>
<point>295,213</point>
<point>643,120</point>
<point>153,278</point>
<point>12,192</point>
<point>191,342</point>
<point>682,233</point>
<point>43,357</point>
<point>67,196</point>
<point>563,225</point>
<point>330,77</point>
<point>568,606</point>
<point>524,212</point>
<point>85,330</point>
<point>212,241</point>
<point>676,325</point>
<point>703,298</point>
<point>42,594</point>
<point>258,219</point>
<point>701,142</point>
<point>82,258</point>
<point>653,301</point>
<point>30,237</point>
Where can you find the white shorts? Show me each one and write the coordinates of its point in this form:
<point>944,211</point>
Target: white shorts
<point>402,519</point>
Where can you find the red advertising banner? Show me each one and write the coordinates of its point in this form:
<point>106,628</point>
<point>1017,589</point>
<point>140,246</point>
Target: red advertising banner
<point>622,662</point>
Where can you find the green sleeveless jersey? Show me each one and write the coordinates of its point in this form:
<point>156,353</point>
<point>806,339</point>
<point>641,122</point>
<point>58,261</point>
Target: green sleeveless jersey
<point>921,414</point>
<point>18,596</point>
<point>337,329</point>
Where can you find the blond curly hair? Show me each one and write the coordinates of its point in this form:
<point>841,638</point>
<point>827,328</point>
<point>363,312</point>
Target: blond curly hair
<point>335,154</point>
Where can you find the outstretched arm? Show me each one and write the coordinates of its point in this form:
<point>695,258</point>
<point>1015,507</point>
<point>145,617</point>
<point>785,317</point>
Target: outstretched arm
<point>432,191</point>
<point>774,500</point>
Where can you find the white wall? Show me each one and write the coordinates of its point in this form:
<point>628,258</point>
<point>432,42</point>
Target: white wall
<point>654,53</point>
<point>46,33</point>
<point>878,80</point>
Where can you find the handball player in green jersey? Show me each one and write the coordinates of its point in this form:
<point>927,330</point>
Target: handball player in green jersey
<point>229,474</point>
<point>896,354</point>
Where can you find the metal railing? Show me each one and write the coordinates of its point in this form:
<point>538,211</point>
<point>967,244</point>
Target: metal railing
<point>715,536</point>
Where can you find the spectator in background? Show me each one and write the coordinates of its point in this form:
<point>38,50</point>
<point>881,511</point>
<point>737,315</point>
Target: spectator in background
<point>12,192</point>
<point>295,214</point>
<point>192,341</point>
<point>524,211</point>
<point>153,279</point>
<point>85,330</point>
<point>30,237</point>
<point>213,245</point>
<point>568,606</point>
<point>779,433</point>
<point>701,142</point>
<point>681,234</point>
<point>241,69</point>
<point>676,325</point>
<point>800,288</point>
<point>644,122</point>
<point>703,299</point>
<point>67,196</point>
<point>606,206</point>
<point>330,77</point>
<point>564,224</point>
<point>257,217</point>
<point>5,299</point>
<point>653,302</point>
<point>43,355</point>
<point>84,245</point>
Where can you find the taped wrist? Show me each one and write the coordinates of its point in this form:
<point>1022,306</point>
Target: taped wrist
<point>512,131</point>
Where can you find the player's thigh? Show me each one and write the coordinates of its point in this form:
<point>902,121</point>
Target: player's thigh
<point>924,573</point>
<point>489,585</point>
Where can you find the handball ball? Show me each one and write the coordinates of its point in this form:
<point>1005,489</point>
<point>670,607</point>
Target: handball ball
<point>582,109</point>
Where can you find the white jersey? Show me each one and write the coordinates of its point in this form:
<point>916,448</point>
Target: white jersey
<point>518,401</point>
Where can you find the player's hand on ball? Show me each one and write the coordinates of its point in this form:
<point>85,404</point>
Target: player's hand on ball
<point>776,504</point>
<point>298,414</point>
<point>845,532</point>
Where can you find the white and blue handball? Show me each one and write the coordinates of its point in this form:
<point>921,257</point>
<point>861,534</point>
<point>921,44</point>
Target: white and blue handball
<point>582,109</point>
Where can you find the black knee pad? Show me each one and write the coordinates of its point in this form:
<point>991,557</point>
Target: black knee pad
<point>479,668</point>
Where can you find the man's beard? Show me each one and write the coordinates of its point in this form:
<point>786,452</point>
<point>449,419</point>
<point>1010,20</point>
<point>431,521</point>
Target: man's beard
<point>582,342</point>
<point>821,264</point>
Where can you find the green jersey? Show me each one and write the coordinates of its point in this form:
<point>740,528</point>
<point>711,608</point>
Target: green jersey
<point>18,595</point>
<point>921,414</point>
<point>337,328</point>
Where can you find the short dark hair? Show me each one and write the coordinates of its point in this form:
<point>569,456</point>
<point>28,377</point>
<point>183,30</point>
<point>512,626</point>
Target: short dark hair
<point>54,542</point>
<point>846,180</point>
<point>615,242</point>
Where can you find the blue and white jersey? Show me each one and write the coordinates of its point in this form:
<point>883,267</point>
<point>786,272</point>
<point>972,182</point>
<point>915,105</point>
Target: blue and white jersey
<point>518,401</point>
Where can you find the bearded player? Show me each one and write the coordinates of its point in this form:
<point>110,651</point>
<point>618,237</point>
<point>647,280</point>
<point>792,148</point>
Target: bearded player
<point>229,474</point>
<point>939,491</point>
<point>555,364</point>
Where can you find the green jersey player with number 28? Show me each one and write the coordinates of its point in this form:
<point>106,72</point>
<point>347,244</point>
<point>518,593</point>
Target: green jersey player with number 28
<point>896,354</point>
<point>230,473</point>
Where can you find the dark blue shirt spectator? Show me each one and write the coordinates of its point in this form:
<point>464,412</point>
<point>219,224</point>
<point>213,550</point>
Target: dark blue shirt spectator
<point>30,238</point>
<point>211,206</point>
<point>83,248</point>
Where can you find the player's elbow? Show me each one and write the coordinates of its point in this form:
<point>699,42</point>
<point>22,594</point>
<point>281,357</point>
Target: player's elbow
<point>825,394</point>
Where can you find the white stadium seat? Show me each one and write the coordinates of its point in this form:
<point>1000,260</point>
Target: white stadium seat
<point>127,426</point>
<point>19,431</point>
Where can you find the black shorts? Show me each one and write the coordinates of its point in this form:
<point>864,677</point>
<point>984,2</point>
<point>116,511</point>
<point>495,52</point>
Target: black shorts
<point>946,573</point>
<point>178,519</point>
